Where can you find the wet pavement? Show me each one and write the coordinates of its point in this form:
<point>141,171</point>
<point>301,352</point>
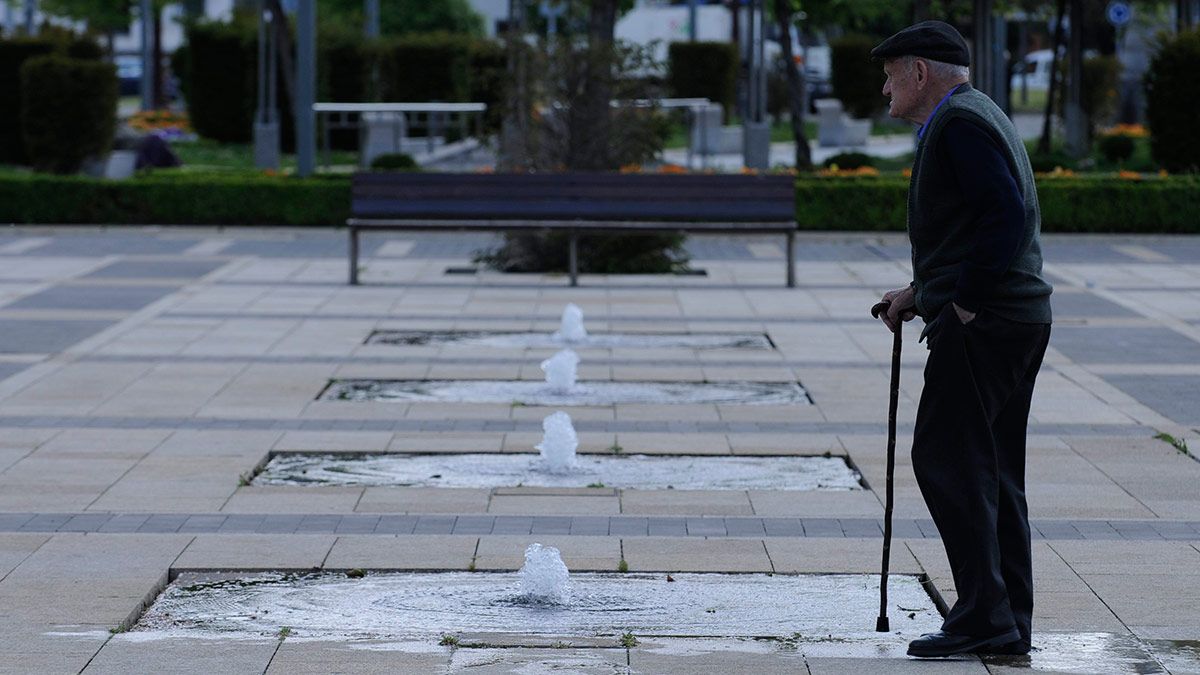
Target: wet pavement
<point>148,375</point>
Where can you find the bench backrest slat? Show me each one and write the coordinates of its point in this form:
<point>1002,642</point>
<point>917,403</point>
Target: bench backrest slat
<point>574,196</point>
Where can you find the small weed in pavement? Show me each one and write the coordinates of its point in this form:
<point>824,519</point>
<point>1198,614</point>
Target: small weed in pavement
<point>622,566</point>
<point>448,641</point>
<point>1177,443</point>
<point>628,640</point>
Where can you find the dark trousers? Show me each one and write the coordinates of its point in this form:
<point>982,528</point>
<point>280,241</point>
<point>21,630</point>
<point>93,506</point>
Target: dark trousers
<point>969,459</point>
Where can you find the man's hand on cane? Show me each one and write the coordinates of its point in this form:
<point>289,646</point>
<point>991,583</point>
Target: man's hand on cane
<point>901,307</point>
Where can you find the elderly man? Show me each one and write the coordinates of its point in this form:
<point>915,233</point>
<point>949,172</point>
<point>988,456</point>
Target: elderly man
<point>973,223</point>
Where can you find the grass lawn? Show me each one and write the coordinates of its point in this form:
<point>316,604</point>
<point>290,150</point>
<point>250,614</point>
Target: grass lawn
<point>1035,104</point>
<point>208,156</point>
<point>781,132</point>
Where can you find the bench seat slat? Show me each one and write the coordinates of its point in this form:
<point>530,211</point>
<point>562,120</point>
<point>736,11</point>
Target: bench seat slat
<point>574,192</point>
<point>582,226</point>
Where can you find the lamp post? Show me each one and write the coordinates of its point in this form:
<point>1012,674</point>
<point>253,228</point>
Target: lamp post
<point>371,24</point>
<point>756,130</point>
<point>266,117</point>
<point>306,87</point>
<point>149,67</point>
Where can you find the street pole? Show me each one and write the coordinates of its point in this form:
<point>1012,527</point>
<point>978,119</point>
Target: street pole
<point>1076,124</point>
<point>266,117</point>
<point>756,130</point>
<point>306,86</point>
<point>371,25</point>
<point>692,28</point>
<point>982,47</point>
<point>149,67</point>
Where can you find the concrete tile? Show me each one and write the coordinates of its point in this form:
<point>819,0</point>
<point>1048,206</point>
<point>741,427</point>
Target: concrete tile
<point>382,658</point>
<point>601,554</point>
<point>678,554</point>
<point>406,552</point>
<point>126,654</point>
<point>583,661</point>
<point>819,555</point>
<point>423,500</point>
<point>555,505</point>
<point>254,552</point>
<point>686,502</point>
<point>810,503</point>
<point>298,499</point>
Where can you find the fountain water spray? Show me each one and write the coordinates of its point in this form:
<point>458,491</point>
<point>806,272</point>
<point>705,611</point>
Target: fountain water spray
<point>572,329</point>
<point>544,576</point>
<point>558,443</point>
<point>560,370</point>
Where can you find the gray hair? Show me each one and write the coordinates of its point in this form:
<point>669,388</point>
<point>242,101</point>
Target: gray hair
<point>940,70</point>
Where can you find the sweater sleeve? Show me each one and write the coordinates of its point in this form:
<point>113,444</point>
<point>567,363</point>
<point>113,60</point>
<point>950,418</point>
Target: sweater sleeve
<point>987,183</point>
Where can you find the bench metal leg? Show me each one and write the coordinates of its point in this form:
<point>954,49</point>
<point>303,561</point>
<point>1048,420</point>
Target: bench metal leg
<point>353,256</point>
<point>573,258</point>
<point>791,259</point>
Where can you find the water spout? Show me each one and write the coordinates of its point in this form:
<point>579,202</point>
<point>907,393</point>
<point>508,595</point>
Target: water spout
<point>560,370</point>
<point>544,576</point>
<point>572,329</point>
<point>558,443</point>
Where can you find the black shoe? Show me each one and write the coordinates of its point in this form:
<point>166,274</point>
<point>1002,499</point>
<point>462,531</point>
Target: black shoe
<point>942,643</point>
<point>1014,648</point>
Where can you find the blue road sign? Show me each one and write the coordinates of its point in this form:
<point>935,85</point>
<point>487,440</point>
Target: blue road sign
<point>1119,13</point>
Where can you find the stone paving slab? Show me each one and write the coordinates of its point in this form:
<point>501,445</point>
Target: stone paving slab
<point>122,654</point>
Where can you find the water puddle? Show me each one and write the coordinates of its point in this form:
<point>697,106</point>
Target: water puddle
<point>582,394</point>
<point>426,605</point>
<point>463,338</point>
<point>639,472</point>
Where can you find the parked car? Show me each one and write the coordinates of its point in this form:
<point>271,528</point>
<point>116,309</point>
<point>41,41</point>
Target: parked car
<point>129,73</point>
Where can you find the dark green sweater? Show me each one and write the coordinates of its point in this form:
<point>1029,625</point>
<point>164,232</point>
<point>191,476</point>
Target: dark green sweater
<point>951,226</point>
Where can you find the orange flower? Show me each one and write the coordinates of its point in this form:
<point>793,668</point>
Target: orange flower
<point>1058,172</point>
<point>1129,175</point>
<point>906,172</point>
<point>1162,173</point>
<point>631,168</point>
<point>1131,130</point>
<point>747,171</point>
<point>672,168</point>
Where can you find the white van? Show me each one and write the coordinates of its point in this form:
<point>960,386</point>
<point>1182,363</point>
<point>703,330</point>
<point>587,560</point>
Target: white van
<point>1035,70</point>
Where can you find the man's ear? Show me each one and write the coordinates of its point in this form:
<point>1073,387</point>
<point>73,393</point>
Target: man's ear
<point>921,71</point>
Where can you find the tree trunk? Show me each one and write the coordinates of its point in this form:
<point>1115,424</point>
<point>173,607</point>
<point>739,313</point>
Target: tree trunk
<point>590,117</point>
<point>795,79</point>
<point>1047,123</point>
<point>283,43</point>
<point>515,128</point>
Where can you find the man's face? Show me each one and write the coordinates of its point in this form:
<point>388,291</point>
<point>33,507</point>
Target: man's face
<point>901,87</point>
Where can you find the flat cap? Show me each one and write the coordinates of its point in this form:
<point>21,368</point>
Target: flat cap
<point>933,40</point>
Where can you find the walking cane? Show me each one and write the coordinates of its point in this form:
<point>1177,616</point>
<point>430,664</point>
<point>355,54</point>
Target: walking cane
<point>881,624</point>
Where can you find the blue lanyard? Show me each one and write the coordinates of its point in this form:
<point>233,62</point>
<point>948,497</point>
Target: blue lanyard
<point>921,131</point>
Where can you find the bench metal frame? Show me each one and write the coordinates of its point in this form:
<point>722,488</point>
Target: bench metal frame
<point>573,228</point>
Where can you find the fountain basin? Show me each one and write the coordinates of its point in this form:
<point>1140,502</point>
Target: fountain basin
<point>425,605</point>
<point>582,394</point>
<point>488,470</point>
<point>464,338</point>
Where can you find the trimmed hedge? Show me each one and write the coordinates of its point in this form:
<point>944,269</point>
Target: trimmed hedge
<point>220,80</point>
<point>703,70</point>
<point>427,68</point>
<point>179,199</point>
<point>1083,204</point>
<point>1080,204</point>
<point>857,80</point>
<point>68,111</point>
<point>13,54</point>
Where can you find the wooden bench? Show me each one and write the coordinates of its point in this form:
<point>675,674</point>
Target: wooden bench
<point>576,203</point>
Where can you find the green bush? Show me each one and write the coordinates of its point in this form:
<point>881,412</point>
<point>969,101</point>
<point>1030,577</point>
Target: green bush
<point>598,254</point>
<point>345,70</point>
<point>14,54</point>
<point>68,111</point>
<point>175,199</point>
<point>849,160</point>
<point>1116,148</point>
<point>857,81</point>
<point>703,70</point>
<point>1172,107</point>
<point>1080,204</point>
<point>221,81</point>
<point>489,78</point>
<point>1045,162</point>
<point>395,162</point>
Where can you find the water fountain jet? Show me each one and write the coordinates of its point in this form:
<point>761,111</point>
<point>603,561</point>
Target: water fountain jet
<point>545,579</point>
<point>558,445</point>
<point>571,328</point>
<point>560,371</point>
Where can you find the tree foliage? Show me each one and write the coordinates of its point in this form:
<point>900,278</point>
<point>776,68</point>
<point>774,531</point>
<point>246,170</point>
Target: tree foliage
<point>405,17</point>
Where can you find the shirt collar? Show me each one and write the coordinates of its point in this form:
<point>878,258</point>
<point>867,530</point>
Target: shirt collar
<point>921,131</point>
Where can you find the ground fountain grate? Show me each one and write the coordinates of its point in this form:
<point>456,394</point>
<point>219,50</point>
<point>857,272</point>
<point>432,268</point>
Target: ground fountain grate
<point>582,394</point>
<point>463,338</point>
<point>489,470</point>
<point>393,605</point>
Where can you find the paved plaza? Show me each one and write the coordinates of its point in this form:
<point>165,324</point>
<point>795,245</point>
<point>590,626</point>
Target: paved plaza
<point>146,375</point>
